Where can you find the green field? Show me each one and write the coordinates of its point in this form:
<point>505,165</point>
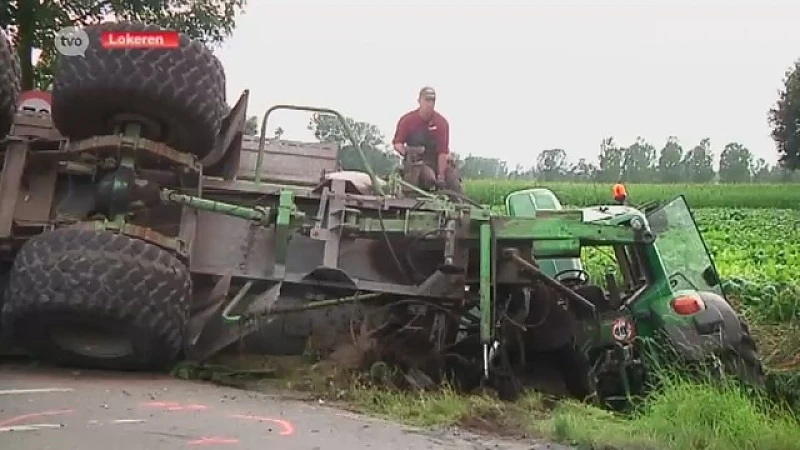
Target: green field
<point>761,196</point>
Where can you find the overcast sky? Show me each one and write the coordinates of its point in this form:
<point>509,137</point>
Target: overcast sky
<point>514,80</point>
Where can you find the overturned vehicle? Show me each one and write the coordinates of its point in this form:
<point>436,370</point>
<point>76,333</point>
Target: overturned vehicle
<point>139,227</point>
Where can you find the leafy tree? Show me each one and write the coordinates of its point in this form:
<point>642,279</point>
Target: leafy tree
<point>784,118</point>
<point>669,161</point>
<point>251,126</point>
<point>482,167</point>
<point>697,163</point>
<point>760,171</point>
<point>780,174</point>
<point>637,163</point>
<point>381,158</point>
<point>34,24</point>
<point>551,164</point>
<point>582,170</point>
<point>735,164</point>
<point>518,172</point>
<point>611,159</point>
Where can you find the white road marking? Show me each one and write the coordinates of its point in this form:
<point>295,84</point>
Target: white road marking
<point>32,427</point>
<point>33,391</point>
<point>117,421</point>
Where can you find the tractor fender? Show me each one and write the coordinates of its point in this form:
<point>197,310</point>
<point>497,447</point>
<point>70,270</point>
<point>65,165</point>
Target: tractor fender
<point>715,328</point>
<point>719,313</point>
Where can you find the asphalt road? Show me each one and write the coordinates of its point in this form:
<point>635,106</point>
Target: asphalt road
<point>45,409</point>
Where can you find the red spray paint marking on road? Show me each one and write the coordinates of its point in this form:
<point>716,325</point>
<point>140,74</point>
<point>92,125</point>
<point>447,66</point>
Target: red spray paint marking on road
<point>22,418</point>
<point>288,429</point>
<point>213,441</point>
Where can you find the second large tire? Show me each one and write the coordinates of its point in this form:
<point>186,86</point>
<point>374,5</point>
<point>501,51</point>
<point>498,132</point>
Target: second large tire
<point>182,89</point>
<point>112,286</point>
<point>9,84</point>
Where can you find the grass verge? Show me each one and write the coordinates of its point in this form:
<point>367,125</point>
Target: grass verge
<point>681,416</point>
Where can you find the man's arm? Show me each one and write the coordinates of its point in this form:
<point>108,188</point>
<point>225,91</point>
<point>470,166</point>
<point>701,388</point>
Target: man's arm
<point>400,136</point>
<point>444,145</point>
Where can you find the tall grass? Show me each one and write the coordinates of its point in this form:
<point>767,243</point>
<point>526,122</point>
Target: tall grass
<point>682,415</point>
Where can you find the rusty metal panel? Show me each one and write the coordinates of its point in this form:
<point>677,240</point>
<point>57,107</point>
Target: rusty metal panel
<point>10,182</point>
<point>288,161</point>
<point>223,243</point>
<point>35,202</point>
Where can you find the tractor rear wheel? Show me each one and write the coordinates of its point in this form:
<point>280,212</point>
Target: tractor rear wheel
<point>179,93</point>
<point>9,84</point>
<point>743,361</point>
<point>97,299</point>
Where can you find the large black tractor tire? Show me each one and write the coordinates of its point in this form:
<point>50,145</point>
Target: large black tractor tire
<point>743,361</point>
<point>181,89</point>
<point>3,296</point>
<point>116,289</point>
<point>9,84</point>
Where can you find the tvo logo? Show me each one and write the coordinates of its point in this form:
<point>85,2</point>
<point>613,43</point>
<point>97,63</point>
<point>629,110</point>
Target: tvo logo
<point>72,41</point>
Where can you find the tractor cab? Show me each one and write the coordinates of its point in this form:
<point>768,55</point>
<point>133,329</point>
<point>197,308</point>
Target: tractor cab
<point>678,261</point>
<point>526,203</point>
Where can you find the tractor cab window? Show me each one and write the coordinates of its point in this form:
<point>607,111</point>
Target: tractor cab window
<point>616,269</point>
<point>630,268</point>
<point>684,254</point>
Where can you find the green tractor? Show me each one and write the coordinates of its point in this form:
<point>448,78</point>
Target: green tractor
<point>139,227</point>
<point>663,302</point>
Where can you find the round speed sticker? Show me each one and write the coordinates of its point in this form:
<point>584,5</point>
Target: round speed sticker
<point>622,329</point>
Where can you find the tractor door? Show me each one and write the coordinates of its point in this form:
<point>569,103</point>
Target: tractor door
<point>684,253</point>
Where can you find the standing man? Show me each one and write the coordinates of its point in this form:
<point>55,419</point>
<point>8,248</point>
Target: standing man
<point>422,138</point>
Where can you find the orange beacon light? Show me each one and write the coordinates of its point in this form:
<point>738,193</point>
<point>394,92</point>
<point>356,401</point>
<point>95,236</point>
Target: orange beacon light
<point>620,194</point>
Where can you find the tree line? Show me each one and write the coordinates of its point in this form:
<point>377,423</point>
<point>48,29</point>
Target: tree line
<point>639,162</point>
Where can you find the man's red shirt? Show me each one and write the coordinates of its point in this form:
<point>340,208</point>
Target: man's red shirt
<point>437,125</point>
